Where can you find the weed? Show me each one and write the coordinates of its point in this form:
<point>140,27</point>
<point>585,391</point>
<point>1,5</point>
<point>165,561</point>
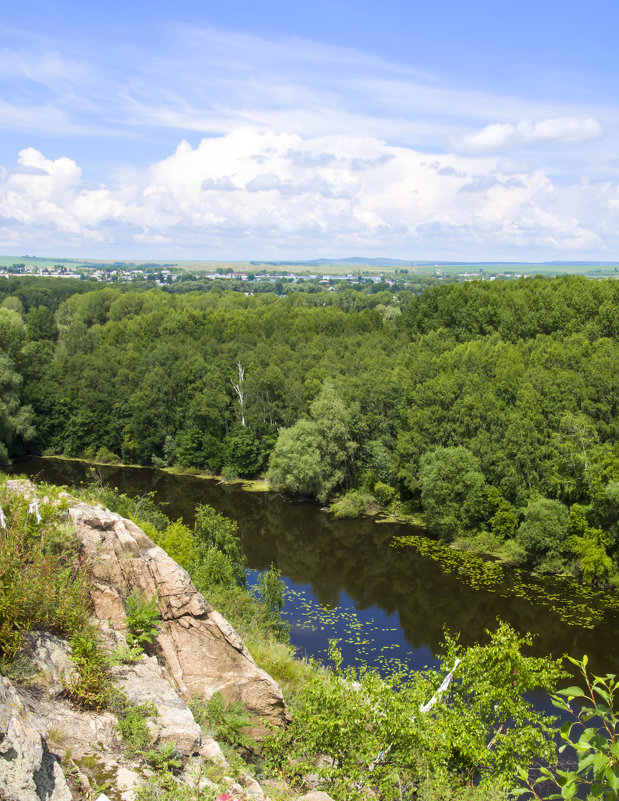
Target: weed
<point>132,725</point>
<point>142,615</point>
<point>89,688</point>
<point>227,720</point>
<point>165,758</point>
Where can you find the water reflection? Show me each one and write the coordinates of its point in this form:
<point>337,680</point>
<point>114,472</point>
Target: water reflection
<point>349,565</point>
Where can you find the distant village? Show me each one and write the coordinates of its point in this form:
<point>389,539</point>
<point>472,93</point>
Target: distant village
<point>160,275</point>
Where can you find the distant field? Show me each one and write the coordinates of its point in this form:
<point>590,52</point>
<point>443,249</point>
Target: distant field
<point>7,261</point>
<point>597,270</point>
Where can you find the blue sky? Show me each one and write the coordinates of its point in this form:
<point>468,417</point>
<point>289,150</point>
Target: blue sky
<point>473,131</point>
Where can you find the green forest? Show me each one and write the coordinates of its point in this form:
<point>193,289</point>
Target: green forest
<point>490,408</point>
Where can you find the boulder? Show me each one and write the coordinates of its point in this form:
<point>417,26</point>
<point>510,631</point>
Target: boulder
<point>202,653</point>
<point>28,771</point>
<point>142,683</point>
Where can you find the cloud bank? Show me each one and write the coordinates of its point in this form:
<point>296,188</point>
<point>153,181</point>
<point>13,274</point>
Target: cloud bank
<point>251,194</point>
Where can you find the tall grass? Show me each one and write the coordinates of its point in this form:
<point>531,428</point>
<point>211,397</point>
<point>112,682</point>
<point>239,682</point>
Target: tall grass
<point>41,586</point>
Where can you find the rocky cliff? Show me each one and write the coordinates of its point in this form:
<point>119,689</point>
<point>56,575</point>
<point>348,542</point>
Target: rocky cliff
<point>51,750</point>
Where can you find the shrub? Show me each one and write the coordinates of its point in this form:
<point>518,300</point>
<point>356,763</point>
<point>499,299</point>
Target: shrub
<point>384,493</point>
<point>165,758</point>
<point>132,725</point>
<point>597,747</point>
<point>354,504</point>
<point>106,455</point>
<point>386,735</point>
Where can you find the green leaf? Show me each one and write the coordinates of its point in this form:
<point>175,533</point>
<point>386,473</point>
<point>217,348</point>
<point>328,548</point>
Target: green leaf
<point>611,775</point>
<point>572,692</point>
<point>569,790</point>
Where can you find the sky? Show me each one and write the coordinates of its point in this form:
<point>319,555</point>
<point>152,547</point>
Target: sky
<point>478,131</point>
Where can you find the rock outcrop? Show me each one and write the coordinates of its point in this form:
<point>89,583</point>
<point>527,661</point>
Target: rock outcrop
<point>201,651</point>
<point>28,771</point>
<point>52,751</point>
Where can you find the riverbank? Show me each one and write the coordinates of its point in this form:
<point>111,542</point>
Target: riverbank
<point>347,580</point>
<point>260,484</point>
<point>327,718</point>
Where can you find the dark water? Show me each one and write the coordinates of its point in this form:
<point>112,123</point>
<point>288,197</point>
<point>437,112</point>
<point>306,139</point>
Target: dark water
<point>346,581</point>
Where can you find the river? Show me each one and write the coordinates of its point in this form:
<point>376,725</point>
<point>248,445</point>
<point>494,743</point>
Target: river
<point>346,580</point>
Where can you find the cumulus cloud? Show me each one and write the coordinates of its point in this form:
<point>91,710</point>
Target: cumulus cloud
<point>252,193</point>
<point>506,136</point>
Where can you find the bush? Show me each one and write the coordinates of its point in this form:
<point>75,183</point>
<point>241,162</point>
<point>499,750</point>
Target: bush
<point>105,455</point>
<point>217,532</point>
<point>354,504</point>
<point>384,493</point>
<point>179,543</point>
<point>89,688</point>
<point>132,725</point>
<point>272,592</point>
<point>387,735</point>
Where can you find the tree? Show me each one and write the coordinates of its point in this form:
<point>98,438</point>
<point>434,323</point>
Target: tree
<point>312,457</point>
<point>296,461</point>
<point>452,490</point>
<point>337,447</point>
<point>40,324</point>
<point>15,420</point>
<point>543,533</point>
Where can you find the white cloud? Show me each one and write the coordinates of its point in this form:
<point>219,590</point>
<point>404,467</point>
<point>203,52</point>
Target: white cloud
<point>253,193</point>
<point>506,136</point>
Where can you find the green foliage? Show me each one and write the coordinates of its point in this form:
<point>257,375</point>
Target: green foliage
<point>165,758</point>
<point>353,504</point>
<point>504,520</point>
<point>595,723</point>
<point>141,620</point>
<point>272,591</point>
<point>89,687</point>
<point>452,490</point>
<point>357,731</point>
<point>312,457</point>
<point>40,587</point>
<point>592,561</point>
<point>341,390</point>
<point>132,724</point>
<point>213,569</point>
<point>384,494</point>
<point>179,542</point>
<point>216,532</point>
<point>543,534</point>
<point>16,419</point>
<point>105,455</point>
<point>227,721</point>
<point>296,460</point>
